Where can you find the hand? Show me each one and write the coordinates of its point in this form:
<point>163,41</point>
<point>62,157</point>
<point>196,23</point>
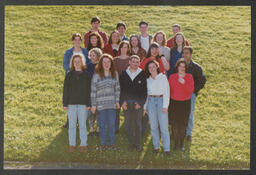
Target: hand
<point>137,106</point>
<point>144,112</point>
<point>65,108</point>
<point>93,109</point>
<point>164,110</point>
<point>124,106</point>
<point>88,108</point>
<point>117,106</point>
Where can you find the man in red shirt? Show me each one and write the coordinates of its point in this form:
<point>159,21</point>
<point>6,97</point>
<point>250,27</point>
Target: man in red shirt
<point>175,29</point>
<point>95,22</point>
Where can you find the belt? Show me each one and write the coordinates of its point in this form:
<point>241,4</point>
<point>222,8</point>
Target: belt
<point>155,96</point>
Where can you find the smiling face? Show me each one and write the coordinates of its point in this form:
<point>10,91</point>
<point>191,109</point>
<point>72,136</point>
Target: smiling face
<point>160,39</point>
<point>77,63</point>
<point>182,68</point>
<point>77,41</point>
<point>134,63</point>
<point>154,51</point>
<point>175,30</point>
<point>124,49</point>
<point>134,42</point>
<point>95,25</point>
<point>143,28</point>
<point>152,68</point>
<point>93,57</point>
<point>93,41</point>
<point>115,38</point>
<point>187,55</point>
<point>121,30</point>
<point>179,39</point>
<point>106,64</point>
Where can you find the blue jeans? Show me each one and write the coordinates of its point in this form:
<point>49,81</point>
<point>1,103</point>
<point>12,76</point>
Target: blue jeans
<point>191,116</point>
<point>77,112</point>
<point>107,119</point>
<point>156,118</point>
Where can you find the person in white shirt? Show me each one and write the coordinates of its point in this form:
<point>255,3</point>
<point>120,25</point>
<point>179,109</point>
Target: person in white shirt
<point>157,105</point>
<point>145,38</point>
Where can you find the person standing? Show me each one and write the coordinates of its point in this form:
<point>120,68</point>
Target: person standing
<point>160,38</point>
<point>133,86</point>
<point>181,88</point>
<point>136,48</point>
<point>175,29</point>
<point>95,41</point>
<point>144,37</point>
<point>76,100</point>
<point>95,23</point>
<point>121,28</point>
<point>105,94</point>
<point>199,82</point>
<point>157,105</point>
<point>113,44</point>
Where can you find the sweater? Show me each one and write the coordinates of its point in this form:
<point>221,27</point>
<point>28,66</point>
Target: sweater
<point>77,88</point>
<point>121,64</point>
<point>144,62</point>
<point>108,49</point>
<point>102,34</point>
<point>170,43</point>
<point>179,91</point>
<point>135,90</point>
<point>105,92</point>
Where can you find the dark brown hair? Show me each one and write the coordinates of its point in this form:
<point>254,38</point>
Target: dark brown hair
<point>147,73</point>
<point>153,45</point>
<point>110,37</point>
<point>188,48</point>
<point>120,24</point>
<point>136,36</point>
<point>164,37</point>
<point>76,35</point>
<point>143,22</point>
<point>99,67</point>
<point>100,43</point>
<point>122,44</point>
<point>72,67</point>
<point>181,60</point>
<point>95,19</point>
<point>176,25</point>
<point>175,44</point>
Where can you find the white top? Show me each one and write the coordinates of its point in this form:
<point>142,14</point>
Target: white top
<point>166,52</point>
<point>145,43</point>
<point>159,86</point>
<point>133,75</point>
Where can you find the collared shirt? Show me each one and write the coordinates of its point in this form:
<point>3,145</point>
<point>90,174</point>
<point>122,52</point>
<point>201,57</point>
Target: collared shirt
<point>132,75</point>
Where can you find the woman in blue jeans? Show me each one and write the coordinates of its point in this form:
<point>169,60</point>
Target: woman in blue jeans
<point>105,93</point>
<point>76,100</point>
<point>157,106</point>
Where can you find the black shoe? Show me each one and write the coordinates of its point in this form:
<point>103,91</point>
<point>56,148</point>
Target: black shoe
<point>167,153</point>
<point>65,125</point>
<point>155,151</point>
<point>139,148</point>
<point>189,138</point>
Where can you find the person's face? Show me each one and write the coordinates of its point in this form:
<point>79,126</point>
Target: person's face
<point>134,63</point>
<point>95,25</point>
<point>93,41</point>
<point>152,68</point>
<point>77,63</point>
<point>154,51</point>
<point>93,57</point>
<point>143,28</point>
<point>179,40</point>
<point>134,42</point>
<point>77,41</point>
<point>159,39</point>
<point>124,49</point>
<point>187,55</point>
<point>181,68</point>
<point>115,38</point>
<point>106,63</point>
<point>121,30</point>
<point>175,30</point>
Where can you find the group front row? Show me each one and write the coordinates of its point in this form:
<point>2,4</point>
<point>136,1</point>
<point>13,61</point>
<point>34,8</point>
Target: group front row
<point>104,91</point>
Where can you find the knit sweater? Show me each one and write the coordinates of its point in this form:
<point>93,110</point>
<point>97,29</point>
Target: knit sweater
<point>105,92</point>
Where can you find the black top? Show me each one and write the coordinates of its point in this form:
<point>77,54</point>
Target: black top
<point>77,88</point>
<point>133,90</point>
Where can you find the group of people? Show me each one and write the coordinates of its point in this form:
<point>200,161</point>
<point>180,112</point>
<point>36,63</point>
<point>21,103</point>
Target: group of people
<point>150,78</point>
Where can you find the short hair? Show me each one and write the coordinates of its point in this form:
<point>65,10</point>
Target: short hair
<point>100,43</point>
<point>152,45</point>
<point>95,19</point>
<point>76,35</point>
<point>71,65</point>
<point>136,36</point>
<point>184,41</point>
<point>147,73</point>
<point>176,25</point>
<point>134,57</point>
<point>122,43</point>
<point>120,24</point>
<point>110,37</point>
<point>164,37</point>
<point>99,67</point>
<point>143,22</point>
<point>181,60</point>
<point>97,52</point>
<point>188,48</point>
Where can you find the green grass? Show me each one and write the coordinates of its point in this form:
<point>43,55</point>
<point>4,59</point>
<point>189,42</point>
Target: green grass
<point>36,38</point>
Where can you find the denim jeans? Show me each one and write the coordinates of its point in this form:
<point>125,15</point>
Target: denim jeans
<point>134,123</point>
<point>107,119</point>
<point>191,116</point>
<point>158,118</point>
<point>77,112</point>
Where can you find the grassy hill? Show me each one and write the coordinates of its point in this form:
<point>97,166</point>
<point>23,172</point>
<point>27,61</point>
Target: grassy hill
<point>36,38</point>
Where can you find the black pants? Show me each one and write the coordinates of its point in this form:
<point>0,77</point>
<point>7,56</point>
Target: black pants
<point>179,112</point>
<point>133,123</point>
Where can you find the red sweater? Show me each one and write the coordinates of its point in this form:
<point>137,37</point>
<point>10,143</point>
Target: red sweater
<point>102,34</point>
<point>178,91</point>
<point>170,43</point>
<point>108,49</point>
<point>144,62</point>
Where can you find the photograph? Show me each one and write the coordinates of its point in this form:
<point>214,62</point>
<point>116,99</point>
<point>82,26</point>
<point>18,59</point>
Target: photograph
<point>127,87</point>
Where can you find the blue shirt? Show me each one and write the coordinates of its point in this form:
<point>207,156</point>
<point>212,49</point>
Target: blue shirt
<point>174,57</point>
<point>91,68</point>
<point>124,38</point>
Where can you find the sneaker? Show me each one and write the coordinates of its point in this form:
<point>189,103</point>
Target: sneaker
<point>82,149</point>
<point>155,151</point>
<point>189,138</point>
<point>71,149</point>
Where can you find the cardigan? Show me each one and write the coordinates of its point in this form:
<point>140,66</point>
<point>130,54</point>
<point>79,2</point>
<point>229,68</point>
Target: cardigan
<point>108,49</point>
<point>135,90</point>
<point>178,91</point>
<point>77,88</point>
<point>102,34</point>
